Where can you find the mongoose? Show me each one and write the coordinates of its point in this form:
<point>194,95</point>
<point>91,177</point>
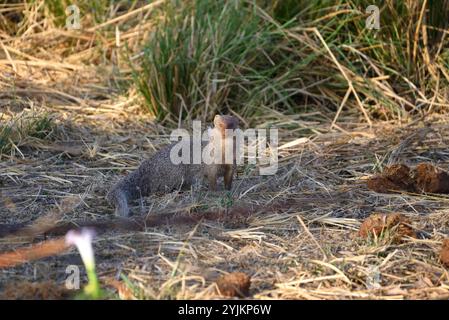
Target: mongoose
<point>159,174</point>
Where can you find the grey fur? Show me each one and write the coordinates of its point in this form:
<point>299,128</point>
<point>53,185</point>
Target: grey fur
<point>159,174</point>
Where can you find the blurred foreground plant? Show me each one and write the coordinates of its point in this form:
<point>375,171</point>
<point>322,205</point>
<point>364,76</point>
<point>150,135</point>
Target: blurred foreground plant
<point>83,241</point>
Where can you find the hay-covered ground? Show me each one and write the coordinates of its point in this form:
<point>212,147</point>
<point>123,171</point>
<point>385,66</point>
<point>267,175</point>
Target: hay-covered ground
<point>295,233</point>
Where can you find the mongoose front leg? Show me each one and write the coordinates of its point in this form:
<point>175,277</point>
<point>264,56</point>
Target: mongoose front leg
<point>212,177</point>
<point>229,172</point>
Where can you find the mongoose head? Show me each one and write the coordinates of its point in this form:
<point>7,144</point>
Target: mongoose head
<point>225,122</point>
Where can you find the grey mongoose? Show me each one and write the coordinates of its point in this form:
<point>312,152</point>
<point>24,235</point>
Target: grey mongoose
<point>160,174</point>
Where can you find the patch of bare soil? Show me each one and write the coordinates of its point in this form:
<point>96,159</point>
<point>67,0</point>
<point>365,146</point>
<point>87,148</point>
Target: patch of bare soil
<point>235,284</point>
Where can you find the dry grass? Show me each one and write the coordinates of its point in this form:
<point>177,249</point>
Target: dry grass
<point>299,240</point>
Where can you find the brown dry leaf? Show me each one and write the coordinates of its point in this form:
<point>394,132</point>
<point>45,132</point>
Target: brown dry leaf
<point>394,178</point>
<point>380,223</point>
<point>398,177</point>
<point>431,179</point>
<point>235,284</point>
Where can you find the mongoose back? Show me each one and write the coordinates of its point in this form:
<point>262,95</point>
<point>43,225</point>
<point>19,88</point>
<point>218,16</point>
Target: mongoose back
<point>159,174</point>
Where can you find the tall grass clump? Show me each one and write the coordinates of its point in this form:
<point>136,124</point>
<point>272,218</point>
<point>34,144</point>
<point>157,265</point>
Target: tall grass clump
<point>280,59</point>
<point>269,58</point>
<point>205,56</point>
<point>395,71</point>
<point>20,129</point>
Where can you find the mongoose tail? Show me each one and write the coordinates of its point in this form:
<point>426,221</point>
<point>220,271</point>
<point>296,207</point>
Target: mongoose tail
<point>136,184</point>
<point>117,197</point>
